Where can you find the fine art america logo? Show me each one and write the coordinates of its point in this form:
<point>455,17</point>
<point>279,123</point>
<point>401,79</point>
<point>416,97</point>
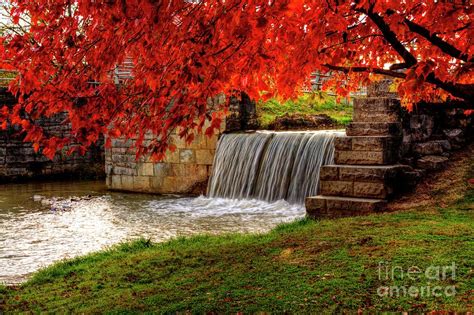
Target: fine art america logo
<point>387,272</point>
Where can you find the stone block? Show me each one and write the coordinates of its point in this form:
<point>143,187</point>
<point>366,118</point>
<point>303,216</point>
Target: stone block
<point>204,156</point>
<point>360,116</point>
<point>364,157</point>
<point>445,144</point>
<point>371,190</point>
<point>161,169</point>
<point>170,185</point>
<point>123,158</point>
<point>364,173</point>
<point>108,182</point>
<point>376,104</point>
<point>127,182</point>
<point>199,142</point>
<point>362,181</point>
<point>179,170</point>
<point>197,171</point>
<point>336,188</point>
<point>365,143</point>
<point>211,142</point>
<point>343,143</point>
<point>122,143</point>
<point>119,170</point>
<point>179,142</point>
<point>187,156</point>
<point>454,135</point>
<point>171,157</point>
<point>374,129</point>
<point>108,169</point>
<point>116,181</point>
<point>156,184</point>
<point>141,183</point>
<point>188,171</point>
<point>329,172</point>
<point>330,207</point>
<point>117,151</point>
<point>371,143</point>
<point>315,204</point>
<point>421,127</point>
<point>432,162</point>
<point>17,158</point>
<point>431,147</point>
<point>145,169</point>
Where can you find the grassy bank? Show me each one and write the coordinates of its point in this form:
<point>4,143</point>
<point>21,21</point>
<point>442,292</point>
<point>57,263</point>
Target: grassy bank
<point>308,104</point>
<point>306,266</point>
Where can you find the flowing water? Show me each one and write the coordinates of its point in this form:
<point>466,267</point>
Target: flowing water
<point>65,221</point>
<point>41,223</point>
<point>271,165</point>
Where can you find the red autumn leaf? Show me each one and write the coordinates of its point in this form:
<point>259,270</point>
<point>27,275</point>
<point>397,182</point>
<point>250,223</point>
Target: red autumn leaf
<point>143,65</point>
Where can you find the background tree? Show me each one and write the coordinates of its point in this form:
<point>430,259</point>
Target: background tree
<point>186,52</point>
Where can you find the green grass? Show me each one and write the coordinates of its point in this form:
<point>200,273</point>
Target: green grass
<point>317,103</point>
<point>306,266</point>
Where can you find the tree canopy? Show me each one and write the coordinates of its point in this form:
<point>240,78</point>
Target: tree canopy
<point>186,52</point>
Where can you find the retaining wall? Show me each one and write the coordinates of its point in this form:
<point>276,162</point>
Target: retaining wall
<point>184,171</point>
<point>18,160</point>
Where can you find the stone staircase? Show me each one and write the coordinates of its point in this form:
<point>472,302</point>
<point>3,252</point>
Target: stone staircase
<point>365,174</point>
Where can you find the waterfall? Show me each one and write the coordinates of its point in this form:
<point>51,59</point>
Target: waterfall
<point>271,165</point>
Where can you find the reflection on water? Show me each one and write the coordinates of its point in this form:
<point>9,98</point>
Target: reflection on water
<point>44,222</point>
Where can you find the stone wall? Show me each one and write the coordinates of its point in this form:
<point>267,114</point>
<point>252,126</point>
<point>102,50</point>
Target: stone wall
<point>431,132</point>
<point>18,160</point>
<point>184,171</point>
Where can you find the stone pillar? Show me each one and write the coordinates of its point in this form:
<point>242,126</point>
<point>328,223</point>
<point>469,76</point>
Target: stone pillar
<point>365,173</point>
<point>242,114</point>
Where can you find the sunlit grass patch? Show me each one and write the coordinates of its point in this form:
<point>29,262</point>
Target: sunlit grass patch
<point>308,104</point>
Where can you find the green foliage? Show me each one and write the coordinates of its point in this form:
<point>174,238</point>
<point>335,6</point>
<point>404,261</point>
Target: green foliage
<point>311,103</point>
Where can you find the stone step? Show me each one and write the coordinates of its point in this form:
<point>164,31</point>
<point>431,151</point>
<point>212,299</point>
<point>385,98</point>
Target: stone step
<point>366,143</point>
<point>393,129</point>
<point>377,104</point>
<point>352,157</point>
<point>387,117</point>
<point>380,109</point>
<point>362,181</point>
<point>330,206</point>
<point>356,189</point>
<point>367,173</point>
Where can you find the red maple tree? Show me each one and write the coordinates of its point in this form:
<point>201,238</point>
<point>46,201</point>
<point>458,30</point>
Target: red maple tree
<point>185,52</point>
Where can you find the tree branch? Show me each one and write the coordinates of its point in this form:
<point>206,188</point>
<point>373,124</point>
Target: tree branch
<point>390,36</point>
<point>464,91</point>
<point>445,47</point>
